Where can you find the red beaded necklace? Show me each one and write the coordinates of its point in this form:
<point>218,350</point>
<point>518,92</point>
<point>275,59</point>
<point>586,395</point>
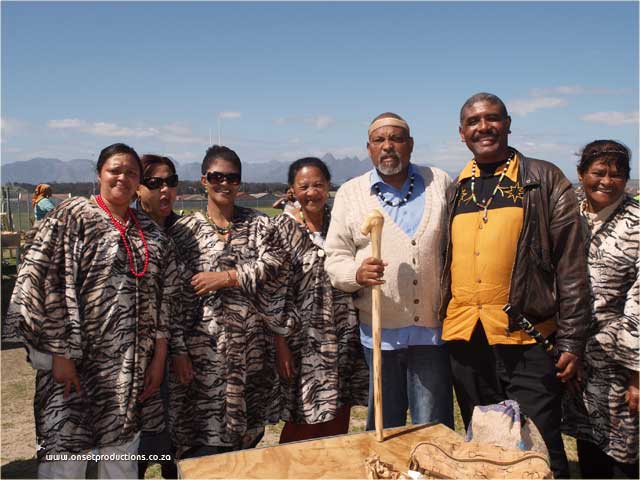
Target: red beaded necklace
<point>122,228</point>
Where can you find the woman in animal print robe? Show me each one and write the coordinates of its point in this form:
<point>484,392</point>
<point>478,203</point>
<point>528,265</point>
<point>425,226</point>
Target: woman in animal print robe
<point>604,415</point>
<point>233,394</point>
<point>93,309</point>
<point>320,360</point>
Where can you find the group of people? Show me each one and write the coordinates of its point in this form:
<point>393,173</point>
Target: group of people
<point>185,336</point>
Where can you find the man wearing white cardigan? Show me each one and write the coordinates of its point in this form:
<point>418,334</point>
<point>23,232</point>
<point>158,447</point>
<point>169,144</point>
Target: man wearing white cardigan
<point>415,361</point>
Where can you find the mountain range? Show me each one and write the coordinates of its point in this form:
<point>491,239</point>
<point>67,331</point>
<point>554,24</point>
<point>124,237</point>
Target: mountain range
<point>51,170</point>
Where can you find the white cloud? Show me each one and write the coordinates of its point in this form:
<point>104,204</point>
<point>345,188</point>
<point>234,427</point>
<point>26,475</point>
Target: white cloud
<point>577,90</point>
<point>171,133</point>
<point>229,115</point>
<point>67,123</point>
<point>320,122</point>
<point>611,118</point>
<point>525,106</point>
<point>11,126</point>
<point>101,129</point>
<point>105,129</point>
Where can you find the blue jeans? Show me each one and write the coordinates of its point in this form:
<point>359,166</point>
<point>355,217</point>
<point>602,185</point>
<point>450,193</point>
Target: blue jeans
<point>418,378</point>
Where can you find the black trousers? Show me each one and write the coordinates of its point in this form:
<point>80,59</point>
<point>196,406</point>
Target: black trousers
<point>594,463</point>
<point>485,374</point>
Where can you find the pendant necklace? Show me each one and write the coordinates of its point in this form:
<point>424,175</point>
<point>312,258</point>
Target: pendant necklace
<point>400,202</point>
<point>220,230</point>
<point>122,229</point>
<point>484,205</point>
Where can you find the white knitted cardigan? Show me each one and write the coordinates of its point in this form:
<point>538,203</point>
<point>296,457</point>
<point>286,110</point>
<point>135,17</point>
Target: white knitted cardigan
<point>411,293</point>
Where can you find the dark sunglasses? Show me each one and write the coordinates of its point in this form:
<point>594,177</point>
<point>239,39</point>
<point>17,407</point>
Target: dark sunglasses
<point>153,183</point>
<point>217,177</point>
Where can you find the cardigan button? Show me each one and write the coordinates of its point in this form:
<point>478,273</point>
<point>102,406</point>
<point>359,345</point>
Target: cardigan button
<point>416,301</point>
<point>416,319</point>
<point>415,282</point>
<point>413,242</point>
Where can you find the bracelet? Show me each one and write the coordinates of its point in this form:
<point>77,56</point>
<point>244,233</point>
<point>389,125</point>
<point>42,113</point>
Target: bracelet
<point>231,280</point>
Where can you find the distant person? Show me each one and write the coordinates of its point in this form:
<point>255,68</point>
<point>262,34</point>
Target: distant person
<point>415,360</point>
<point>92,303</point>
<point>319,356</point>
<point>515,241</point>
<point>41,201</point>
<point>604,416</point>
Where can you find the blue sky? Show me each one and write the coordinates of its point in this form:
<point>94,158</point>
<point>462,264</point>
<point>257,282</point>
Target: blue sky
<point>286,80</point>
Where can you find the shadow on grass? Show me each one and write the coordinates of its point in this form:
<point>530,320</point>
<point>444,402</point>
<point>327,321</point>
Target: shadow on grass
<point>10,344</point>
<point>29,469</point>
<point>20,469</point>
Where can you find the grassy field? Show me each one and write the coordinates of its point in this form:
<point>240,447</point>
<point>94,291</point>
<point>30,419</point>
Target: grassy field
<point>17,433</point>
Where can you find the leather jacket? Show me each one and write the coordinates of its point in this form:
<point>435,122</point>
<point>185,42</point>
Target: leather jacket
<point>549,276</point>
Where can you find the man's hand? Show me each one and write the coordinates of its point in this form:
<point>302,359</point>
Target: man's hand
<point>284,360</point>
<point>568,366</point>
<point>631,396</point>
<point>64,371</point>
<point>370,272</point>
<point>183,368</point>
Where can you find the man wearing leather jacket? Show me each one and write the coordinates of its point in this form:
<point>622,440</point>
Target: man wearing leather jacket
<point>515,245</point>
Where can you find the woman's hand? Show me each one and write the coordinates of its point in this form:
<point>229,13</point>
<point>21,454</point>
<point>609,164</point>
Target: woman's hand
<point>284,360</point>
<point>207,282</point>
<point>64,371</point>
<point>183,368</point>
<point>631,397</point>
<point>155,371</point>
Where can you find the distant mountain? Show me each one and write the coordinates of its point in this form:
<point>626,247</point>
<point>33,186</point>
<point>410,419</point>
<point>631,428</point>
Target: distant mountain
<point>42,170</point>
<point>49,170</point>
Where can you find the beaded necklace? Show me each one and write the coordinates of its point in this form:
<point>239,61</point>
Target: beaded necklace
<point>400,202</point>
<point>220,230</point>
<point>121,229</point>
<point>485,203</point>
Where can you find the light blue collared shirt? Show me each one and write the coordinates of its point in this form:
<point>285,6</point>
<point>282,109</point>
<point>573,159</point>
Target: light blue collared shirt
<point>408,217</point>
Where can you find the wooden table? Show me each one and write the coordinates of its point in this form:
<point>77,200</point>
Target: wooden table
<point>331,457</point>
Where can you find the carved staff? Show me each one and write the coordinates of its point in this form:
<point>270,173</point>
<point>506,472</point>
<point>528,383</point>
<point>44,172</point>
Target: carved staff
<point>373,225</point>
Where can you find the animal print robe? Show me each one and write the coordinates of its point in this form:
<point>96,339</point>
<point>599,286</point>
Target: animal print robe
<point>75,297</point>
<point>321,329</point>
<point>600,414</point>
<point>234,392</point>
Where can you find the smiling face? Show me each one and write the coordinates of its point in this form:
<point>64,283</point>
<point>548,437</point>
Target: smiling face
<point>603,183</point>
<point>158,203</point>
<point>119,178</point>
<point>311,189</point>
<point>221,193</point>
<point>390,150</point>
<point>485,130</point>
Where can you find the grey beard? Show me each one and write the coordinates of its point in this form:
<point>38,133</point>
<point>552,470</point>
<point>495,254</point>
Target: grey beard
<point>390,170</point>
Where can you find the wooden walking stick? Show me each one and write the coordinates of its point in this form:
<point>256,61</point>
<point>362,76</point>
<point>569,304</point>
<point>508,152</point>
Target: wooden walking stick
<point>373,225</point>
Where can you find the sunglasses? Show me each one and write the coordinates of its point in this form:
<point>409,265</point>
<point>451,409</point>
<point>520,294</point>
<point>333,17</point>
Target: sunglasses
<point>217,177</point>
<point>153,183</point>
